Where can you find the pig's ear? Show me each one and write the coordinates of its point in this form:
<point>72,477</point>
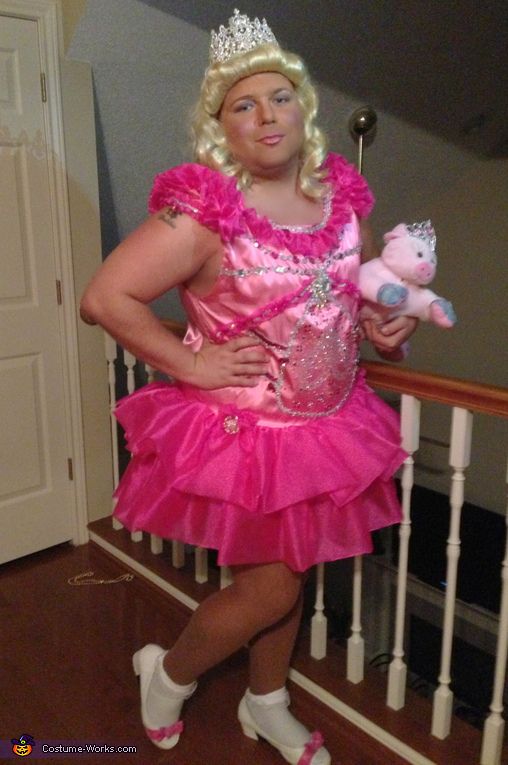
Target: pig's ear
<point>395,233</point>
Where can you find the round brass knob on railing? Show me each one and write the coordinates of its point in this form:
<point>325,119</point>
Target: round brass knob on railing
<point>362,123</point>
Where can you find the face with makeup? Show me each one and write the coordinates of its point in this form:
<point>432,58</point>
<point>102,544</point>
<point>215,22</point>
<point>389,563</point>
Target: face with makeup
<point>264,125</point>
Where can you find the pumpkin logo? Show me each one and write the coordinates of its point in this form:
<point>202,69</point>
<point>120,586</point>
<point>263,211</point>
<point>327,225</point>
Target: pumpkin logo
<point>23,745</point>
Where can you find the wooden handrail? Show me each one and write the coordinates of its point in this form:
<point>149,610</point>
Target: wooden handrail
<point>477,397</point>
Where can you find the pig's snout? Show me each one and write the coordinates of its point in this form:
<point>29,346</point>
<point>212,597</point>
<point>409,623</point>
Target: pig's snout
<point>424,272</point>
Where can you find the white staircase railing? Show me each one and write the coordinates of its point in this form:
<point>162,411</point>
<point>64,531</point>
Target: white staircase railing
<point>415,389</point>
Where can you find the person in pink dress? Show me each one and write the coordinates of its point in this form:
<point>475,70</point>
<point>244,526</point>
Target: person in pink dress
<point>267,445</point>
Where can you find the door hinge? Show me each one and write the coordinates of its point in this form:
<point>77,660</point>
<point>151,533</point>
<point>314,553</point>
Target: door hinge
<point>44,92</point>
<point>59,292</point>
<point>70,469</point>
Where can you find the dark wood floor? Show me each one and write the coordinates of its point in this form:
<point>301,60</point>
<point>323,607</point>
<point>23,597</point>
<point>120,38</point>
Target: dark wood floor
<point>66,671</point>
<point>67,674</point>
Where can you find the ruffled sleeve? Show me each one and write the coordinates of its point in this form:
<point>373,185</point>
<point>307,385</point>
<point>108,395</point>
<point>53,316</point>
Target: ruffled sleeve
<point>204,194</point>
<point>349,185</point>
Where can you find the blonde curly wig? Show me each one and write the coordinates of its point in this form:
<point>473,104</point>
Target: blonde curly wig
<point>209,143</point>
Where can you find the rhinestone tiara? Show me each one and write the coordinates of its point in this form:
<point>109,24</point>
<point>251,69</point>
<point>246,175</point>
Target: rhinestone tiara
<point>424,231</point>
<point>240,36</point>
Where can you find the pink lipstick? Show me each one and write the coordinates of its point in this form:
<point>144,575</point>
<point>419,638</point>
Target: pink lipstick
<point>271,140</point>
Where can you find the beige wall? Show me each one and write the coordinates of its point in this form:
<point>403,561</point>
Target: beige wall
<point>81,160</point>
<point>469,215</point>
<point>472,224</point>
<point>72,10</point>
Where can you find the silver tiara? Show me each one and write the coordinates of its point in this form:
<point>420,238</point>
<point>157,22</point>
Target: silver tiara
<point>424,231</point>
<point>240,36</point>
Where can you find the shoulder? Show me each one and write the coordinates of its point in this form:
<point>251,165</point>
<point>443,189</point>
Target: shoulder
<point>348,185</point>
<point>202,193</point>
<point>181,184</point>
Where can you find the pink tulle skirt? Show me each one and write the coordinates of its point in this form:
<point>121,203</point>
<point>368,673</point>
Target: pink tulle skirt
<point>301,494</point>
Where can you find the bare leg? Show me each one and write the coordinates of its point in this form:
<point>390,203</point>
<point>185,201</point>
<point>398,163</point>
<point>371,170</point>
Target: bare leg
<point>270,652</point>
<point>259,597</point>
<point>264,711</point>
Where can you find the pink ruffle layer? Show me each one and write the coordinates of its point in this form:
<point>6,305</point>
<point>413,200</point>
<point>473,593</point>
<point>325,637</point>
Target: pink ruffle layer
<point>214,200</point>
<point>301,494</point>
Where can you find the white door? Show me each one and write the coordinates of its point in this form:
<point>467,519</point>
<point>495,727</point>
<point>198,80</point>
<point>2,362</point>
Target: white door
<point>36,492</point>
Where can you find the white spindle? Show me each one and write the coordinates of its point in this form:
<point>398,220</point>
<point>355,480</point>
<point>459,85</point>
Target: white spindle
<point>201,564</point>
<point>177,554</point>
<point>319,620</point>
<point>150,373</point>
<point>156,544</point>
<point>356,643</point>
<point>410,430</point>
<point>130,363</point>
<point>493,731</point>
<point>226,577</point>
<point>111,354</point>
<point>460,450</point>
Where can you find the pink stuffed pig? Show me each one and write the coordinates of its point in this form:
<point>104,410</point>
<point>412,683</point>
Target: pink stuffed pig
<point>394,284</point>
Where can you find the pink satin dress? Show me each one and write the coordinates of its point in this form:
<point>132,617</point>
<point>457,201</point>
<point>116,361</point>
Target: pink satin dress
<point>298,469</point>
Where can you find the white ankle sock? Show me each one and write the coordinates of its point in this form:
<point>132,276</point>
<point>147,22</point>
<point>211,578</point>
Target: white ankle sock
<point>165,698</point>
<point>270,712</point>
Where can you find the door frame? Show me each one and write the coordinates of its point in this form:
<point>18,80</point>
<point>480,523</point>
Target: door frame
<point>48,15</point>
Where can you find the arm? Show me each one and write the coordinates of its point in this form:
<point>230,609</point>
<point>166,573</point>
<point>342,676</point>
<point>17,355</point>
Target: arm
<point>389,338</point>
<point>166,250</point>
